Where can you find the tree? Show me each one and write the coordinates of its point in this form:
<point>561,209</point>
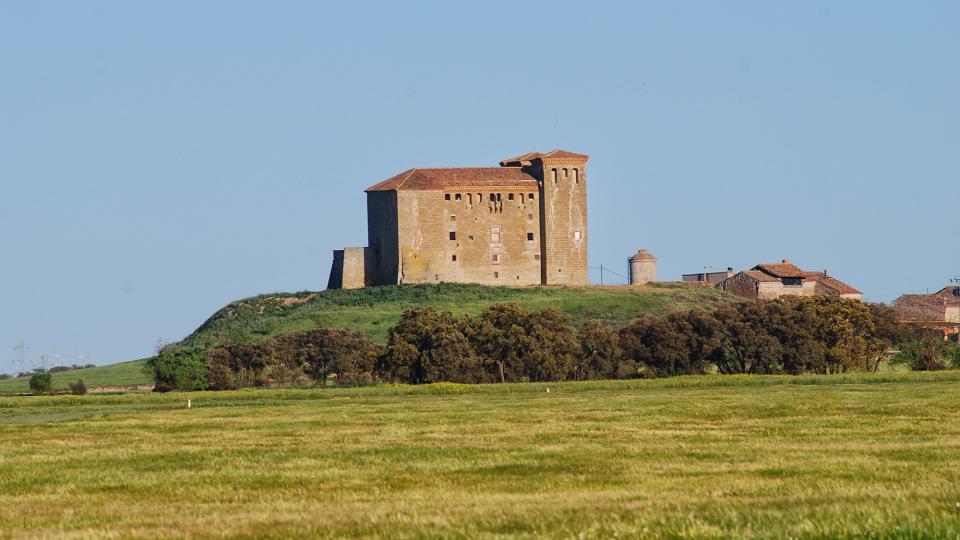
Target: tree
<point>328,352</point>
<point>600,353</point>
<point>41,381</point>
<point>427,346</point>
<point>515,345</point>
<point>78,388</point>
<point>179,368</point>
<point>745,344</point>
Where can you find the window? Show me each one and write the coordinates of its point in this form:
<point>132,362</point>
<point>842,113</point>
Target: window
<point>536,257</point>
<point>529,237</point>
<point>566,173</point>
<point>792,282</point>
<point>453,218</point>
<point>458,197</point>
<point>530,196</point>
<point>495,258</point>
<point>495,234</point>
<point>576,235</point>
<point>576,176</point>
<point>510,197</point>
<point>453,235</point>
<point>470,237</point>
<point>469,198</point>
<point>496,274</point>
<point>499,197</point>
<point>446,196</point>
<point>529,217</point>
<point>453,258</point>
<point>553,174</point>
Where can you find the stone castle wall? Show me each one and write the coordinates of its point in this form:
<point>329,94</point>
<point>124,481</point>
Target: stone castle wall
<point>564,224</point>
<point>476,235</point>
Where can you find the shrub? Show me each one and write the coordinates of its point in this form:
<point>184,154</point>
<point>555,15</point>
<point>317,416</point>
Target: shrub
<point>41,381</point>
<point>5,376</point>
<point>78,388</point>
<point>426,347</point>
<point>176,368</point>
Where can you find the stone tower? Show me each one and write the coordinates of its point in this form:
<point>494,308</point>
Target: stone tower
<point>563,223</point>
<point>643,268</point>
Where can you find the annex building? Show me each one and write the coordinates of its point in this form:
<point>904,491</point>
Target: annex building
<point>522,223</point>
<point>773,280</point>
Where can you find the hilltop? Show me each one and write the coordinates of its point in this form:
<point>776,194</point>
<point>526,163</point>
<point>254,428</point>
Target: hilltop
<point>375,309</point>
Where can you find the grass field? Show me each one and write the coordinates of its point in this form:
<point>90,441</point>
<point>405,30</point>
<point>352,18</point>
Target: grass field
<point>710,456</point>
<point>120,374</point>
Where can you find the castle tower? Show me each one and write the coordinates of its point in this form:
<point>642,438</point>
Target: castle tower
<point>563,217</point>
<point>643,268</point>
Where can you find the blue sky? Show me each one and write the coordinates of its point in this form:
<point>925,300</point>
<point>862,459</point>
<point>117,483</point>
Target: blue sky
<point>160,160</point>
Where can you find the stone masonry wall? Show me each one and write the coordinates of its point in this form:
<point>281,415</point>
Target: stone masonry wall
<point>477,235</point>
<point>564,226</point>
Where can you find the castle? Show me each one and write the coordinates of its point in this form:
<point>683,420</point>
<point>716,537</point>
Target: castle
<point>522,223</point>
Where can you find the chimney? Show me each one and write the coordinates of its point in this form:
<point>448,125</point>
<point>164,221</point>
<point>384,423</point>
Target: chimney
<point>786,261</point>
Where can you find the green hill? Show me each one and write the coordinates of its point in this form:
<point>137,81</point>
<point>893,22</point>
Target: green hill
<point>121,374</point>
<point>375,309</point>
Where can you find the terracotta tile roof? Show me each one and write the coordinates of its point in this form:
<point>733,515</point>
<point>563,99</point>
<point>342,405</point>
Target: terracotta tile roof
<point>433,179</point>
<point>780,270</point>
<point>832,284</point>
<point>759,276</point>
<point>530,156</point>
<point>951,293</point>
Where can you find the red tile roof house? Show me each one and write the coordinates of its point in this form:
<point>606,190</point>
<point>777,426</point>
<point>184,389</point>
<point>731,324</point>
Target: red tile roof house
<point>937,311</point>
<point>773,280</point>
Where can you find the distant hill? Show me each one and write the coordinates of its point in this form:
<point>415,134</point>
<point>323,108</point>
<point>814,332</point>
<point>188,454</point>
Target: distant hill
<point>125,374</point>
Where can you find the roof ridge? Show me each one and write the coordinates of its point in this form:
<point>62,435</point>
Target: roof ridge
<point>407,177</point>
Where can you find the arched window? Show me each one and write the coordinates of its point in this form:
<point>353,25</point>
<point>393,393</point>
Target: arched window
<point>469,198</point>
<point>458,197</point>
<point>553,174</point>
<point>530,196</point>
<point>576,176</point>
<point>446,196</point>
<point>510,196</point>
<point>499,197</point>
<point>566,173</point>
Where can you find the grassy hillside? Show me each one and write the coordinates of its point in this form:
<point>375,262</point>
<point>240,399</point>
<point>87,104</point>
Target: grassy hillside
<point>374,310</point>
<point>121,374</point>
<point>864,456</point>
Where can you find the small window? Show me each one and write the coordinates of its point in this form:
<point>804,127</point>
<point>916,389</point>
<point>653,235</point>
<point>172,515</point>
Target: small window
<point>446,196</point>
<point>495,258</point>
<point>576,176</point>
<point>453,218</point>
<point>576,235</point>
<point>479,197</point>
<point>510,197</point>
<point>529,237</point>
<point>499,197</point>
<point>470,237</point>
<point>496,274</point>
<point>553,174</point>
<point>453,235</point>
<point>453,258</point>
<point>536,257</point>
<point>566,173</point>
<point>529,217</point>
<point>469,198</point>
<point>458,197</point>
<point>530,196</point>
<point>495,234</point>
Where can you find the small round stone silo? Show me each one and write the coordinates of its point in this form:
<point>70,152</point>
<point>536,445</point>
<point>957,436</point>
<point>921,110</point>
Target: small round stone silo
<point>643,268</point>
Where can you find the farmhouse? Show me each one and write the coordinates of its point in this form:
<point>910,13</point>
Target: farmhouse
<point>773,280</point>
<point>522,223</point>
<point>939,311</point>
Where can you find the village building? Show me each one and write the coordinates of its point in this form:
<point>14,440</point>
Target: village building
<point>522,223</point>
<point>710,278</point>
<point>938,312</point>
<point>773,280</point>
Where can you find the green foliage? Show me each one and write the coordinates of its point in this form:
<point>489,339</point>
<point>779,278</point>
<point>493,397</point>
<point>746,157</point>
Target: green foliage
<point>427,346</point>
<point>78,387</point>
<point>41,381</point>
<point>122,374</point>
<point>928,354</point>
<point>179,368</point>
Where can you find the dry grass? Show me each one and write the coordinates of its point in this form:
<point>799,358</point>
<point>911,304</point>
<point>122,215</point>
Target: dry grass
<point>692,456</point>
